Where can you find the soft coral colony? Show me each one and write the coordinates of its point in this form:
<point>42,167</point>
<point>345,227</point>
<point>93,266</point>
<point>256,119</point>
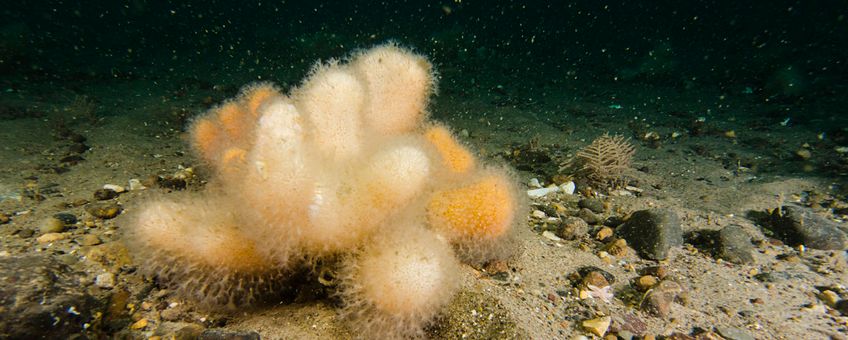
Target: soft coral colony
<point>348,167</point>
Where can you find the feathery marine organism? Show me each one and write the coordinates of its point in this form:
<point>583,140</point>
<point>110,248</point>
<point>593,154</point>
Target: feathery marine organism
<point>347,166</point>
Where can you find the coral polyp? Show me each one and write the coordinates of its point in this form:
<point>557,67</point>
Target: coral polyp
<point>346,166</point>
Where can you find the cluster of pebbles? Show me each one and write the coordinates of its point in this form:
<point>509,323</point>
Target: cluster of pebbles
<point>643,242</point>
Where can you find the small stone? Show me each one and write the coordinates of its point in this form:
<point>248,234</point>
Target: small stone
<point>660,299</point>
<point>66,218</point>
<point>732,333</point>
<point>89,240</point>
<point>140,324</point>
<point>572,228</point>
<point>26,233</point>
<point>50,237</point>
<point>105,280</point>
<point>114,187</point>
<point>593,204</point>
<point>652,232</point>
<point>538,214</point>
<point>220,334</point>
<point>135,184</point>
<point>617,248</point>
<point>52,225</point>
<point>551,236</point>
<point>604,233</point>
<point>4,218</point>
<point>829,297</point>
<point>534,183</point>
<point>804,154</point>
<point>79,202</point>
<point>568,187</point>
<point>646,282</point>
<point>103,210</point>
<point>735,245</point>
<point>796,224</point>
<point>842,307</point>
<point>595,278</point>
<point>174,183</point>
<point>598,326</point>
<point>536,193</point>
<point>589,216</point>
<point>104,194</point>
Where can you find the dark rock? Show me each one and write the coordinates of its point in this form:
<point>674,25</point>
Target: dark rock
<point>735,245</point>
<point>589,216</point>
<point>66,218</point>
<point>613,221</point>
<point>220,334</point>
<point>797,225</point>
<point>593,204</point>
<point>652,232</point>
<point>78,148</point>
<point>842,307</point>
<point>41,299</point>
<point>105,194</point>
<point>172,183</point>
<point>72,159</point>
<point>76,138</point>
<point>103,210</point>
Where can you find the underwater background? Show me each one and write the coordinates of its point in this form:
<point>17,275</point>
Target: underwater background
<point>731,110</point>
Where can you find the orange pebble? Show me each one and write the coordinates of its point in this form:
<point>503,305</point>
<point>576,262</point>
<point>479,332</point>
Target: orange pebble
<point>456,157</point>
<point>484,209</point>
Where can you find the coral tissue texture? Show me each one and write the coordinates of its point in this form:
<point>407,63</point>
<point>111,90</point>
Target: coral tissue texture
<point>346,168</point>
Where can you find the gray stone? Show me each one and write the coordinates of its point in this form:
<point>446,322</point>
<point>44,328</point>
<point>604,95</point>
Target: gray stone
<point>589,216</point>
<point>573,228</point>
<point>732,333</point>
<point>41,299</point>
<point>735,245</point>
<point>797,225</point>
<point>652,232</point>
<point>593,204</point>
<point>220,334</point>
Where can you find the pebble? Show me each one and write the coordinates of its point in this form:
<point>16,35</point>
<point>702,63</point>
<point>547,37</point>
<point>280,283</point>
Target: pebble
<point>66,218</point>
<point>105,194</point>
<point>103,210</point>
<point>541,192</point>
<point>796,224</point>
<point>646,282</point>
<point>135,184</point>
<point>52,225</point>
<point>829,297</point>
<point>589,216</point>
<point>593,204</point>
<point>595,278</point>
<point>732,333</point>
<point>572,228</point>
<point>660,299</point>
<point>652,232</point>
<point>114,187</point>
<point>735,245</point>
<point>598,326</point>
<point>568,187</point>
<point>105,280</point>
<point>4,218</point>
<point>551,236</point>
<point>50,237</point>
<point>534,183</point>
<point>89,240</point>
<point>539,214</point>
<point>604,233</point>
<point>140,324</point>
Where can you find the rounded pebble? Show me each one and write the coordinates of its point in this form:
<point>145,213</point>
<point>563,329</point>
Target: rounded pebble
<point>105,194</point>
<point>52,225</point>
<point>103,210</point>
